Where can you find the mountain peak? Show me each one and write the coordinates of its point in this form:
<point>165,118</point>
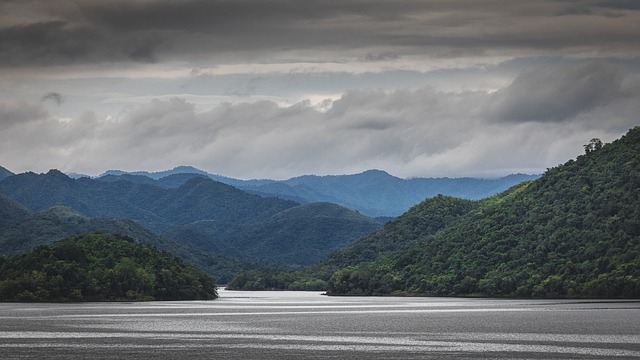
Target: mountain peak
<point>376,173</point>
<point>56,172</point>
<point>4,173</point>
<point>187,169</point>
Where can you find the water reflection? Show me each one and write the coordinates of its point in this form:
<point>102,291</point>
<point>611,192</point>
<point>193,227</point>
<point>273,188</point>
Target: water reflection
<point>288,325</point>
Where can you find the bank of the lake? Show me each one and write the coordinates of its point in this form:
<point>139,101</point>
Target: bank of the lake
<point>295,325</point>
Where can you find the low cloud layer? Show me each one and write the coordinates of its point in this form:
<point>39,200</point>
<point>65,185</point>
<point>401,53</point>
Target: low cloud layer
<point>280,88</point>
<point>406,132</point>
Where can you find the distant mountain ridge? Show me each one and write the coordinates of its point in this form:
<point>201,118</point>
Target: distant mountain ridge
<point>374,193</point>
<point>4,173</point>
<point>207,216</point>
<point>575,232</point>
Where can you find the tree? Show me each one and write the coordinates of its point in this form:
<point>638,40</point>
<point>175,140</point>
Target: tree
<point>593,145</point>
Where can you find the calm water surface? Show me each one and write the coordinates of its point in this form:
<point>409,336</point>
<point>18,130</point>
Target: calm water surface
<point>306,325</point>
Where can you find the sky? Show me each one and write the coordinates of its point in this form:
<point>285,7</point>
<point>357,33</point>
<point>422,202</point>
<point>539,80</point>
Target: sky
<point>282,88</point>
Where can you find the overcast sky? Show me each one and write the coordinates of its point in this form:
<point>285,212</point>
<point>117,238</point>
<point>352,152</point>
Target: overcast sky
<point>280,88</point>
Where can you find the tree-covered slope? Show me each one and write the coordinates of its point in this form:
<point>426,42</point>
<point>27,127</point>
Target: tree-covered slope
<point>220,223</point>
<point>306,234</point>
<point>101,267</point>
<point>21,231</point>
<point>152,206</point>
<point>575,232</point>
<point>374,193</point>
<point>205,199</point>
<point>377,193</point>
<point>11,211</point>
<point>424,219</point>
<point>298,236</point>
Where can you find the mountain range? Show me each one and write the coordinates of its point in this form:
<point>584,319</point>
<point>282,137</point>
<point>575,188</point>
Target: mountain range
<point>208,223</point>
<point>4,173</point>
<point>574,232</point>
<point>374,193</point>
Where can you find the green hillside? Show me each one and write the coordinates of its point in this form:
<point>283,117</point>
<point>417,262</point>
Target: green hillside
<point>374,193</point>
<point>10,211</point>
<point>424,219</point>
<point>100,267</point>
<point>21,231</point>
<point>575,232</point>
<point>306,234</point>
<point>298,236</point>
<point>152,206</point>
<point>216,221</point>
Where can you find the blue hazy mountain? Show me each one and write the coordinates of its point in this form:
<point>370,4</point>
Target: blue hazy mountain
<point>4,173</point>
<point>209,216</point>
<point>374,193</point>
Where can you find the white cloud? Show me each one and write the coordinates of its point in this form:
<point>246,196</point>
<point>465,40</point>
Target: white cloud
<point>409,133</point>
<point>282,88</point>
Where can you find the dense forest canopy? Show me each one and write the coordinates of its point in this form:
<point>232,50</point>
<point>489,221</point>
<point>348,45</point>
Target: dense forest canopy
<point>575,232</point>
<point>220,228</point>
<point>101,267</point>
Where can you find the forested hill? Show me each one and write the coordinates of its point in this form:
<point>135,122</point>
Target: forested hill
<point>154,207</point>
<point>422,220</point>
<point>100,267</point>
<point>21,231</point>
<point>575,232</point>
<point>374,193</point>
<point>224,228</point>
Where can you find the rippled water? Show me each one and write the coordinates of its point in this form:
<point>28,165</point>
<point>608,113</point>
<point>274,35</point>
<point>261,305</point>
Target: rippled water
<point>295,325</point>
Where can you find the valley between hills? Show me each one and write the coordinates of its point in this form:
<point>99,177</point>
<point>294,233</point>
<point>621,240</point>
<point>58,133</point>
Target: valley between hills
<point>573,232</point>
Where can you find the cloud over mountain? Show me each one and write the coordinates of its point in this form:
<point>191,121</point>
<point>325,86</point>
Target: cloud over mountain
<point>277,88</point>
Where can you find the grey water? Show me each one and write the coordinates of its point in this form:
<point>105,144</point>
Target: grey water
<point>307,325</point>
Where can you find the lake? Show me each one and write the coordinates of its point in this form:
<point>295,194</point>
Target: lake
<point>307,325</point>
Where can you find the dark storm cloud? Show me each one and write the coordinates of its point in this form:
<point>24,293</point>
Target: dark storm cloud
<point>18,114</point>
<point>41,43</point>
<point>55,97</point>
<point>619,4</point>
<point>152,31</point>
<point>278,88</point>
<point>557,93</point>
<point>385,56</point>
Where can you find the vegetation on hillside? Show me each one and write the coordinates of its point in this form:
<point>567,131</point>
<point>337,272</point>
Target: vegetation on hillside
<point>100,267</point>
<point>575,232</point>
<point>373,193</point>
<point>21,231</point>
<point>223,228</point>
<point>299,236</point>
<point>422,220</point>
